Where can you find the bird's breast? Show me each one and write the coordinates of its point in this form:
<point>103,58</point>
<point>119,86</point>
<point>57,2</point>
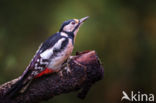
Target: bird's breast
<point>57,60</point>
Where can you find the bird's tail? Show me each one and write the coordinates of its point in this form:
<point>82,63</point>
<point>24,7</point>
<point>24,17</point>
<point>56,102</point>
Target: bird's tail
<point>19,87</point>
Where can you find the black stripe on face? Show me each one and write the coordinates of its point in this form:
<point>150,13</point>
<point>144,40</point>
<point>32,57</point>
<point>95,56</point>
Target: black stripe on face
<point>77,26</point>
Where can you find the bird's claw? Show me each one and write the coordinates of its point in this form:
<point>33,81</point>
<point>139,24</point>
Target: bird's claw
<point>60,74</point>
<point>67,68</point>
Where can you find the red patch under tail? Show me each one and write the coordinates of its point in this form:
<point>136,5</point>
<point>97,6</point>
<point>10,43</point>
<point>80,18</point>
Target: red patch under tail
<point>45,72</point>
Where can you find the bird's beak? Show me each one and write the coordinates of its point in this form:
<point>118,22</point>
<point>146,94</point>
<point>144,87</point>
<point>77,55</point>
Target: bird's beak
<point>83,19</point>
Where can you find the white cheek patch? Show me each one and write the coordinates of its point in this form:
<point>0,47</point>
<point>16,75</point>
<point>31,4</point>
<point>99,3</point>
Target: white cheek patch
<point>46,54</point>
<point>69,28</point>
<point>49,52</point>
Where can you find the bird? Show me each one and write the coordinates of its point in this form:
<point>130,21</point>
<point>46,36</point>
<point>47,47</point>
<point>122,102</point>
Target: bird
<point>50,56</point>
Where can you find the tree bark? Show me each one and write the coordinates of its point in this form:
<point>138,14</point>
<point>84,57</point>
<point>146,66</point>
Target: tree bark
<point>85,70</point>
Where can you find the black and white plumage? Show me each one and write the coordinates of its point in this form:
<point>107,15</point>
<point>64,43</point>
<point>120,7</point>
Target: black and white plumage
<point>50,56</point>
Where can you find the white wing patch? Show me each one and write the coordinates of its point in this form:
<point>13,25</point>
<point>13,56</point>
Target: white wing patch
<point>49,52</point>
<point>64,34</point>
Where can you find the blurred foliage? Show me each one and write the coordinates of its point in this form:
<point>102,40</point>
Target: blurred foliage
<point>123,33</point>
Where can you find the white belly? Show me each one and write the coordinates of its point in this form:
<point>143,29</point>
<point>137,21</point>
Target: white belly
<point>57,61</point>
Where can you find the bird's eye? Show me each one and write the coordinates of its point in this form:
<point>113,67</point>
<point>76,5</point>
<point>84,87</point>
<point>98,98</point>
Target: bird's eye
<point>73,23</point>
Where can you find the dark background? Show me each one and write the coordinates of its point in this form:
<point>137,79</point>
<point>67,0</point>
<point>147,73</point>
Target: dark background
<point>123,33</point>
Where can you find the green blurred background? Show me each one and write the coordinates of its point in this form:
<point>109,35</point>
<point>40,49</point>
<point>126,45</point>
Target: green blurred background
<point>123,33</point>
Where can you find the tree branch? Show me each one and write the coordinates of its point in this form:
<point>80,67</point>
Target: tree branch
<point>85,71</point>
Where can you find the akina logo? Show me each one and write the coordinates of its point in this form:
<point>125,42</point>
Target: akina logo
<point>138,97</point>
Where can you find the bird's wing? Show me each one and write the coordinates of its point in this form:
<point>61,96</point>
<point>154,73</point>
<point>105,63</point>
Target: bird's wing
<point>47,49</point>
<point>50,42</point>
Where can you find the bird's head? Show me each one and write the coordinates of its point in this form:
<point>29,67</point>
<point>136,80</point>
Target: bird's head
<point>72,26</point>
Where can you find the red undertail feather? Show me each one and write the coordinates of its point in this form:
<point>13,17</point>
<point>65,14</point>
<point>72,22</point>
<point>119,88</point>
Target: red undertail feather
<point>46,71</point>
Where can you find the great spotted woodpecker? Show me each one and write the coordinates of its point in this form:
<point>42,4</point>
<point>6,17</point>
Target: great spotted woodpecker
<point>50,56</point>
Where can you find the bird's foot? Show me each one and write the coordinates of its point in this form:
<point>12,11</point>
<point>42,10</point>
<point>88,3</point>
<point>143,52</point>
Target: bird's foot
<point>60,74</point>
<point>67,68</point>
<point>66,65</point>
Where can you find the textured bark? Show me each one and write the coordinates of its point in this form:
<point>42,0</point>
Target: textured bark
<point>85,71</point>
